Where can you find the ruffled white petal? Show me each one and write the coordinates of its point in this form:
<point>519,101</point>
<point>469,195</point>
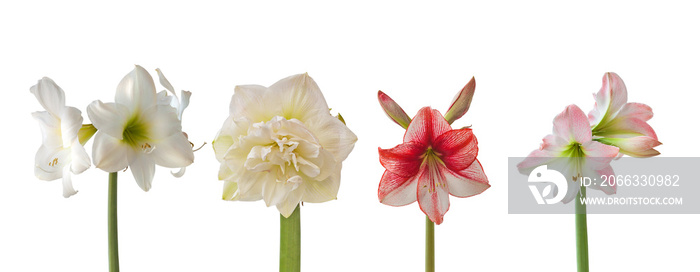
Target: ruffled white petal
<point>254,103</point>
<point>287,206</point>
<point>301,98</point>
<point>230,189</point>
<point>322,190</point>
<point>333,135</point>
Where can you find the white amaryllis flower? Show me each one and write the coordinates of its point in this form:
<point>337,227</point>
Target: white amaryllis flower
<point>179,104</point>
<point>282,145</point>
<point>61,152</point>
<point>137,132</point>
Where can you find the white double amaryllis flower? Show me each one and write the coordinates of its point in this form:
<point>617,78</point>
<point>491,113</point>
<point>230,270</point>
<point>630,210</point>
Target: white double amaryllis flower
<point>61,151</point>
<point>282,145</point>
<point>137,132</point>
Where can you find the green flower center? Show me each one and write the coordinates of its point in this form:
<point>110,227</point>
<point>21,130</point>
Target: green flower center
<point>136,133</point>
<point>574,150</point>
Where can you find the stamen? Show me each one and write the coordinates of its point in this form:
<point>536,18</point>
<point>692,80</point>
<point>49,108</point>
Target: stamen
<point>198,148</point>
<point>147,148</point>
<point>54,162</point>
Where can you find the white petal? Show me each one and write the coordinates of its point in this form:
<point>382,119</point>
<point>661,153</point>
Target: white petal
<point>230,190</point>
<point>324,190</point>
<point>468,182</point>
<point>164,99</point>
<point>179,173</point>
<point>164,81</point>
<point>67,183</point>
<point>50,96</point>
<point>109,153</point>
<point>136,90</point>
<point>287,206</point>
<point>250,185</point>
<point>142,167</point>
<point>301,98</point>
<point>162,121</point>
<point>173,152</point>
<point>225,172</point>
<point>50,129</point>
<point>184,102</point>
<point>80,161</point>
<point>108,118</point>
<point>71,121</point>
<point>49,162</point>
<point>275,192</point>
<point>222,142</point>
<point>251,102</point>
<point>333,135</point>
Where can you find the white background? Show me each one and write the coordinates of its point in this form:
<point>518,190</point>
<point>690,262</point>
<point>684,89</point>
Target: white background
<point>530,61</point>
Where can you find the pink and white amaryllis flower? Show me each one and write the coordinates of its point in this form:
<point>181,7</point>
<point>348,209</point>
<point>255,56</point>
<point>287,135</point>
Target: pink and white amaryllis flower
<point>433,162</point>
<point>618,123</point>
<point>571,150</point>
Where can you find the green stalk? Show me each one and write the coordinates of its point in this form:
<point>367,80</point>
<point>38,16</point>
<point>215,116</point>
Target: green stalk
<point>581,232</point>
<point>112,223</point>
<point>290,242</point>
<point>429,245</point>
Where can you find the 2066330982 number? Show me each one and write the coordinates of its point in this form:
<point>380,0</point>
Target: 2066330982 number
<point>640,180</point>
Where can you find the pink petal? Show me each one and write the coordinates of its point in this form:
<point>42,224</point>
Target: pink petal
<point>403,160</point>
<point>426,127</point>
<point>468,182</point>
<point>553,143</point>
<point>395,190</point>
<point>635,110</point>
<point>457,148</point>
<point>536,158</point>
<point>608,190</point>
<point>393,110</point>
<point>640,146</point>
<point>628,127</point>
<point>598,155</point>
<point>433,191</point>
<point>460,104</point>
<point>612,95</point>
<point>572,125</point>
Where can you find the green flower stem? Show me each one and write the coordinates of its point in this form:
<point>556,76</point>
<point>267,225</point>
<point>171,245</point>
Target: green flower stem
<point>429,245</point>
<point>290,242</point>
<point>112,223</point>
<point>581,233</point>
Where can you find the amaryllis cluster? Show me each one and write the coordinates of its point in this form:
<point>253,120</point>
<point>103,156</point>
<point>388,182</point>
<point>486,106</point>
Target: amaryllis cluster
<point>139,130</point>
<point>585,146</point>
<point>434,160</point>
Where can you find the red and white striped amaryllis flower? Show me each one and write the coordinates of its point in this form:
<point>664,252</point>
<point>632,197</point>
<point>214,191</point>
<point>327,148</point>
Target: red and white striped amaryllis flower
<point>571,150</point>
<point>618,123</point>
<point>434,160</point>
